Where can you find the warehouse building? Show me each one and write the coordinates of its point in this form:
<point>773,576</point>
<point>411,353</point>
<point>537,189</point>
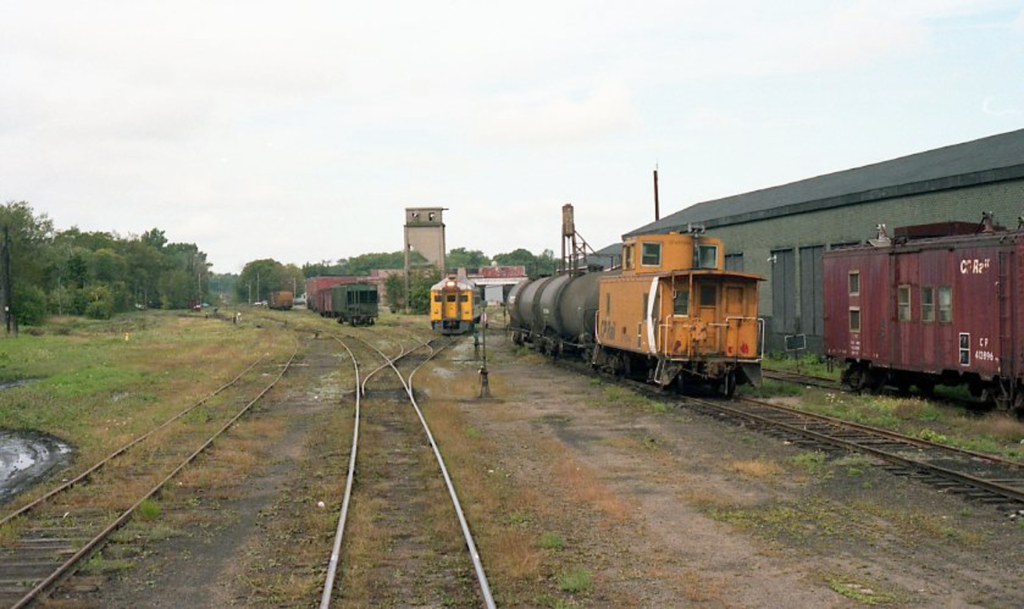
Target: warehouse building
<point>781,233</point>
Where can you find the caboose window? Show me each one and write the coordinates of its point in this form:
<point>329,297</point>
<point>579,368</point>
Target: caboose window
<point>681,302</point>
<point>903,302</point>
<point>608,303</point>
<point>854,283</point>
<point>708,256</point>
<point>945,304</point>
<point>708,295</point>
<point>854,319</point>
<point>651,254</point>
<point>928,304</point>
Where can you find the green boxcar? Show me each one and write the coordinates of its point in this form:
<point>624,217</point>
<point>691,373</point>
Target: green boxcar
<point>355,303</point>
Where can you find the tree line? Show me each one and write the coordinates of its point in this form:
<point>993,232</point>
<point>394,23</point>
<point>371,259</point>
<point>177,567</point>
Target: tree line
<point>96,274</point>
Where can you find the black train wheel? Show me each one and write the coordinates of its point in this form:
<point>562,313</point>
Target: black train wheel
<point>729,384</point>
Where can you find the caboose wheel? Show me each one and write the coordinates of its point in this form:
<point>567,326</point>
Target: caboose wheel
<point>729,384</point>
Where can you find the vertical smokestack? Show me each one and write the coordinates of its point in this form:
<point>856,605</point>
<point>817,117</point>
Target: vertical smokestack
<point>657,212</point>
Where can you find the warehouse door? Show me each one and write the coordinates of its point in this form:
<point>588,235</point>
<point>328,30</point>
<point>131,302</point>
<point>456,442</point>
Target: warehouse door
<point>812,312</point>
<point>783,292</point>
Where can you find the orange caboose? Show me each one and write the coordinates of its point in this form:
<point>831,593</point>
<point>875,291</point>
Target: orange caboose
<point>674,315</point>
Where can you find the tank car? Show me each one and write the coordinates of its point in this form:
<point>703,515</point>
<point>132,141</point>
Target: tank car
<point>641,321</point>
<point>935,304</point>
<point>455,306</point>
<point>354,303</point>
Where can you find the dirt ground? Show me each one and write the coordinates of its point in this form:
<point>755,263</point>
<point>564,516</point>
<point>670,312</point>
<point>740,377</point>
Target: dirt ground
<point>625,503</point>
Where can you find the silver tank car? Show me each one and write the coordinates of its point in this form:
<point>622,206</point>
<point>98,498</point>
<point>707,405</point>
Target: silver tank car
<point>556,314</point>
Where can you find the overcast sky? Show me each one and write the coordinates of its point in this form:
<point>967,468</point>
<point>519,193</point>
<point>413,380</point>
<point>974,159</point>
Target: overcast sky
<point>300,131</point>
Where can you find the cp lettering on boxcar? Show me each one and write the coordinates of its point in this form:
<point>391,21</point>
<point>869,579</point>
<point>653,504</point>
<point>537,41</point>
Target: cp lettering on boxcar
<point>975,266</point>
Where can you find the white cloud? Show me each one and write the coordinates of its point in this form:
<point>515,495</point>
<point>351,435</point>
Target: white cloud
<point>559,118</point>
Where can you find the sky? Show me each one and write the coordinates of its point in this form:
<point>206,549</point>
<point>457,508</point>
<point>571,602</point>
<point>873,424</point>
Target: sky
<point>300,131</point>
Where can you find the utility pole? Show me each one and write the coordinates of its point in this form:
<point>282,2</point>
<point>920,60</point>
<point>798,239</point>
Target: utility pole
<point>8,295</point>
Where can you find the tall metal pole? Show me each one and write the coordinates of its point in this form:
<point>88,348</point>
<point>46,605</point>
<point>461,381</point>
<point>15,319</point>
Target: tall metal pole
<point>657,212</point>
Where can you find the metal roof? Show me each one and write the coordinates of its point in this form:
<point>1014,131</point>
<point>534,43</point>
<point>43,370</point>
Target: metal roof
<point>986,160</point>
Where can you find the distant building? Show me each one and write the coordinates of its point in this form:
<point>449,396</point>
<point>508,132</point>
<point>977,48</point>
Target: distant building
<point>496,280</point>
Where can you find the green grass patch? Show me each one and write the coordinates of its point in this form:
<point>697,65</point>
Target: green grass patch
<point>771,388</point>
<point>575,580</point>
<point>810,364</point>
<point>811,462</point>
<point>149,509</point>
<point>861,593</point>
<point>551,541</point>
<point>99,564</point>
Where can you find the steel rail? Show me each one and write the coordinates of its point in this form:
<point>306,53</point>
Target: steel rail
<point>84,475</point>
<point>91,545</point>
<point>332,567</point>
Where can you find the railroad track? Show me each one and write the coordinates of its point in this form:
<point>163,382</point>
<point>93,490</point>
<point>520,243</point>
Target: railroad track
<point>394,420</point>
<point>790,376</point>
<point>46,540</point>
<point>984,478</point>
<point>977,476</point>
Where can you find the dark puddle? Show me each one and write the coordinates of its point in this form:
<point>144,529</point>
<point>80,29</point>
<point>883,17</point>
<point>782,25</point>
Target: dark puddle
<point>27,458</point>
<point>14,383</point>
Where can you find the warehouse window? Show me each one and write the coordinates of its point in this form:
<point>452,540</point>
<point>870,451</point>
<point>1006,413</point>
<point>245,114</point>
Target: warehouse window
<point>854,283</point>
<point>945,304</point>
<point>651,254</point>
<point>903,302</point>
<point>854,319</point>
<point>681,302</point>
<point>734,262</point>
<point>928,304</point>
<point>708,256</point>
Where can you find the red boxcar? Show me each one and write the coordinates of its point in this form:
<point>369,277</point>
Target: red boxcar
<point>944,310</point>
<point>318,292</point>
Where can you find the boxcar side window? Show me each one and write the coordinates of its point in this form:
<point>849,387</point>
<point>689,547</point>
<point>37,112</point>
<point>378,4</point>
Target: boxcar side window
<point>903,300</point>
<point>854,283</point>
<point>854,319</point>
<point>945,304</point>
<point>928,304</point>
<point>651,254</point>
<point>681,302</point>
